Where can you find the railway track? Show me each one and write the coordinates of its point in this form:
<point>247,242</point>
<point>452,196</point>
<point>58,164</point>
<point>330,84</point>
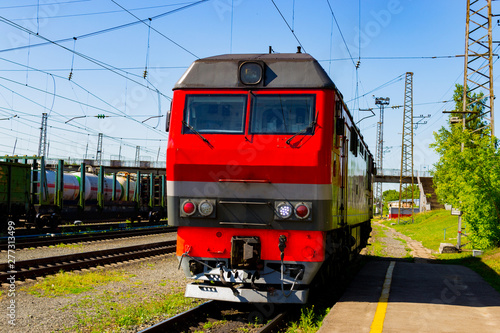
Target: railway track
<point>211,309</point>
<point>30,269</point>
<point>22,243</point>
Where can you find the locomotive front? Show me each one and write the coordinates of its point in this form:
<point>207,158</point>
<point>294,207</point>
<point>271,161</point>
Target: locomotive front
<point>249,175</point>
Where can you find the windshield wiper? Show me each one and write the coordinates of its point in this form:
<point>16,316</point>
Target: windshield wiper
<point>311,126</point>
<point>198,133</point>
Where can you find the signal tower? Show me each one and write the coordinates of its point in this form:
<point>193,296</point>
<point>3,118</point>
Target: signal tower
<point>406,176</point>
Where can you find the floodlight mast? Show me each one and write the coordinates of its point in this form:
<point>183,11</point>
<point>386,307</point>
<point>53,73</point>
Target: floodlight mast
<point>381,102</point>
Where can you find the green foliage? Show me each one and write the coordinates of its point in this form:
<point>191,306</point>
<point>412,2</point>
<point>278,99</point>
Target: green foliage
<point>469,178</point>
<point>393,195</point>
<point>390,195</point>
<point>310,320</point>
<point>475,106</point>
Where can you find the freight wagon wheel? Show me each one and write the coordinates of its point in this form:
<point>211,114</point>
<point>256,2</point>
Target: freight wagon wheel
<point>154,217</point>
<point>30,219</point>
<point>55,220</point>
<point>40,221</point>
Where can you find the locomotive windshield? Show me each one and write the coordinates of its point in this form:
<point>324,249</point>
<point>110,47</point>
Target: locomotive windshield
<point>282,114</point>
<point>215,113</point>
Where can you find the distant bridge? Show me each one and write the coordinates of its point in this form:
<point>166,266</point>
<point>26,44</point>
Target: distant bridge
<point>393,176</point>
<point>423,179</point>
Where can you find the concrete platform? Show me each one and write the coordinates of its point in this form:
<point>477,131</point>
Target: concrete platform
<point>422,298</point>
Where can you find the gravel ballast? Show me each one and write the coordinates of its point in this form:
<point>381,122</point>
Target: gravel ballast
<point>64,249</point>
<point>144,280</point>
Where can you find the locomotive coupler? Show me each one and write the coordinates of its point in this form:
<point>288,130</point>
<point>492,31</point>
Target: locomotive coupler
<point>227,284</point>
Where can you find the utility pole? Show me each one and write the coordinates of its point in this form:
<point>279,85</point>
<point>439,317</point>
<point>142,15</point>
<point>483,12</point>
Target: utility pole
<point>381,102</point>
<point>137,155</point>
<point>406,175</point>
<point>479,59</point>
<point>98,155</point>
<point>42,143</point>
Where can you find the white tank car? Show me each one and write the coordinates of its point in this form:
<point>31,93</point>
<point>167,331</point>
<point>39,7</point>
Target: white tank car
<point>72,186</point>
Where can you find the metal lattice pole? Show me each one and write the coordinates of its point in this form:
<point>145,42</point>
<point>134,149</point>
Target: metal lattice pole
<point>379,155</point>
<point>98,155</point>
<point>137,155</point>
<point>42,143</point>
<point>406,176</point>
<point>478,64</point>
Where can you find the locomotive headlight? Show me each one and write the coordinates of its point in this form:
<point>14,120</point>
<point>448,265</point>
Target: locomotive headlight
<point>285,210</point>
<point>251,73</point>
<point>205,208</point>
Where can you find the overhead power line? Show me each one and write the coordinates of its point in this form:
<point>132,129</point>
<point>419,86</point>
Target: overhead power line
<point>147,22</point>
<point>88,58</point>
<point>95,13</point>
<point>341,34</point>
<point>44,4</point>
<point>95,33</point>
<point>288,25</point>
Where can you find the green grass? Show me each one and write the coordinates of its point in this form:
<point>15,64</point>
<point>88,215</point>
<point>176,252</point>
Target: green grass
<point>310,320</point>
<point>99,313</point>
<point>377,249</point>
<point>65,283</point>
<point>407,249</point>
<point>428,228</point>
<point>70,246</point>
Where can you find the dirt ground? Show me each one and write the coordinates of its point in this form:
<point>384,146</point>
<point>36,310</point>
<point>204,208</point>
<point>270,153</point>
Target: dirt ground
<point>386,242</point>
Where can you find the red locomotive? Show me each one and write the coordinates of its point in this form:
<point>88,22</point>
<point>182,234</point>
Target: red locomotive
<point>268,179</point>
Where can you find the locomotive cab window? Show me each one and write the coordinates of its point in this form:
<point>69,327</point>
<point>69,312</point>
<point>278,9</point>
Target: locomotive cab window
<point>214,114</point>
<point>282,114</point>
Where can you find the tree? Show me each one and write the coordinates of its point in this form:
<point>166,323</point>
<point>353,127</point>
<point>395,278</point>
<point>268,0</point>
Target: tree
<point>467,174</point>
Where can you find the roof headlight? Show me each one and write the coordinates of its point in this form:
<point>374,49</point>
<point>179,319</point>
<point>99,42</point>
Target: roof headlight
<point>251,73</point>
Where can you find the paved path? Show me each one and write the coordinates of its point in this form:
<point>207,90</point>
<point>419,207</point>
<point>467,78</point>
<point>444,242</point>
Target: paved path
<point>421,298</point>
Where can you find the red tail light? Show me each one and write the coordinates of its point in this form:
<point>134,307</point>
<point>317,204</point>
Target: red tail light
<point>302,211</point>
<point>189,208</point>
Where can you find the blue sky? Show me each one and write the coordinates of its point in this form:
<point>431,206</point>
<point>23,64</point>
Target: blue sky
<point>34,79</point>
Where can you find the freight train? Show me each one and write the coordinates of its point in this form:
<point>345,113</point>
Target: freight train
<point>269,180</point>
<point>33,196</point>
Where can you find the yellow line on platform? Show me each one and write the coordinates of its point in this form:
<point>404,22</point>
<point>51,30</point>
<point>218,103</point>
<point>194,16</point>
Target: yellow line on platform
<point>378,320</point>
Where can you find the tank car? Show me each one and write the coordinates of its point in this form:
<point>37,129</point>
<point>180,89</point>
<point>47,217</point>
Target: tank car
<point>40,197</point>
<point>268,179</point>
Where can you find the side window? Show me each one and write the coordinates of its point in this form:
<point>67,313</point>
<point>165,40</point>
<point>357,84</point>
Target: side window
<point>354,143</point>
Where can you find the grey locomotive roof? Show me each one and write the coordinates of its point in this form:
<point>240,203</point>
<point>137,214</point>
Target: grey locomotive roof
<point>285,70</point>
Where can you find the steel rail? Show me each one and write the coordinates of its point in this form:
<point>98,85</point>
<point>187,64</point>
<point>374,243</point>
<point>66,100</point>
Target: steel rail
<point>43,266</point>
<point>170,324</point>
<point>48,241</point>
